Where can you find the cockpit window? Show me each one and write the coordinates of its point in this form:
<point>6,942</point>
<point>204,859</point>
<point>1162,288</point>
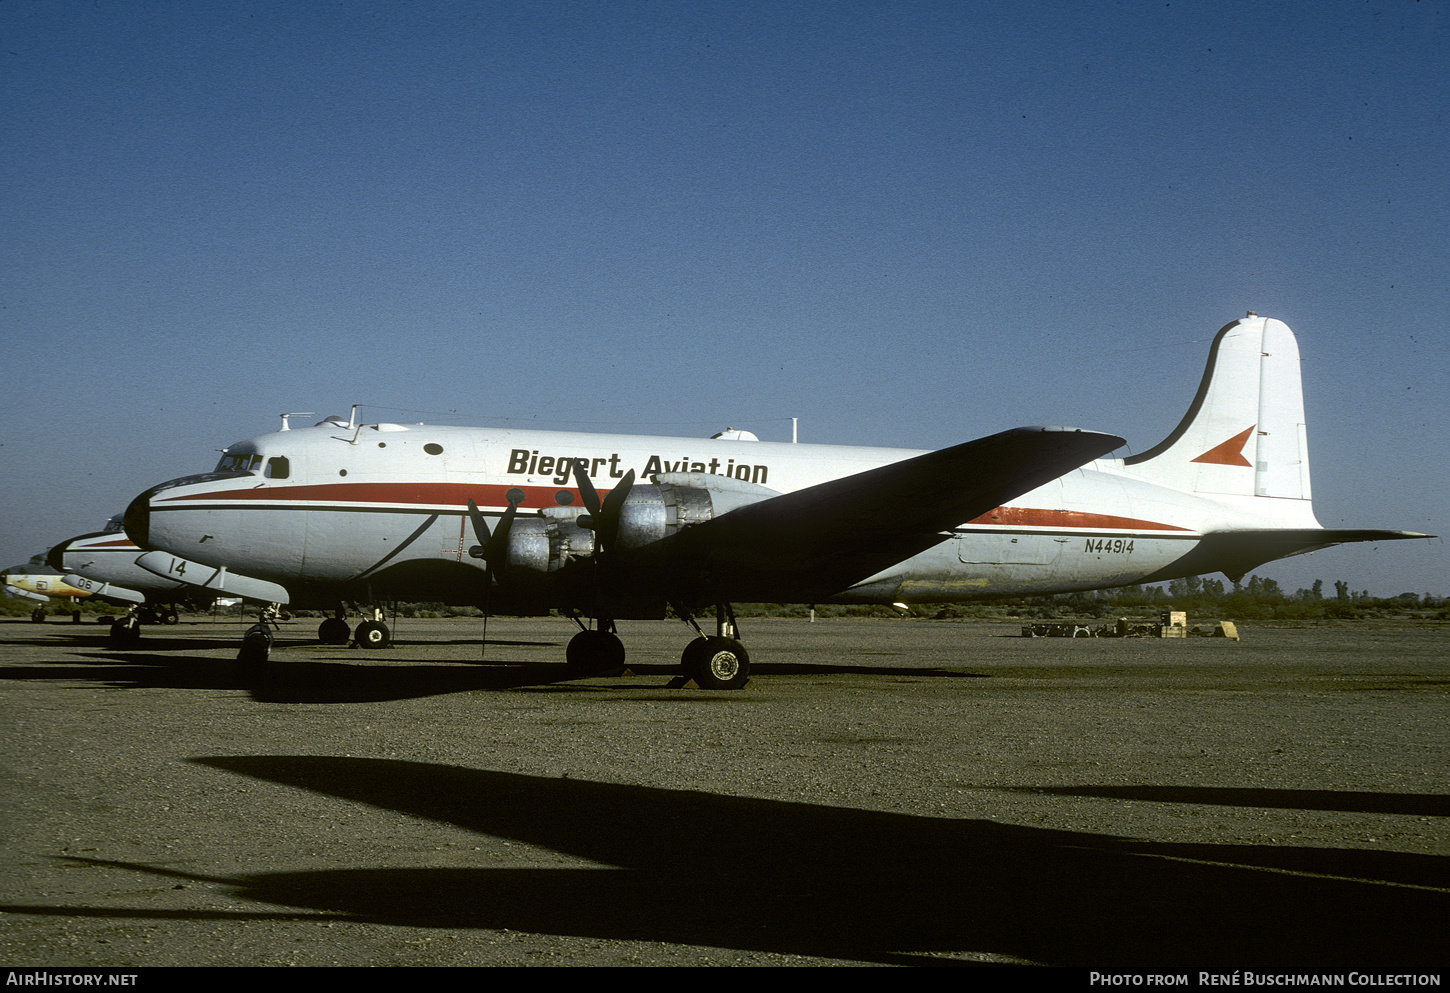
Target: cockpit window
<point>278,467</point>
<point>241,462</point>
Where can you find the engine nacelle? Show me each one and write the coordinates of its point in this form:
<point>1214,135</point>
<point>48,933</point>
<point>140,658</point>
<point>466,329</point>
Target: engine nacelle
<point>539,546</point>
<point>673,501</point>
<point>655,511</point>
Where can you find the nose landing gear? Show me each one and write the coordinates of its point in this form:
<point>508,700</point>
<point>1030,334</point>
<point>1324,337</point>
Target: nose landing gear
<point>257,642</point>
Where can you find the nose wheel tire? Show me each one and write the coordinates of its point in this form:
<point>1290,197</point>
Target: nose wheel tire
<point>716,663</point>
<point>256,644</point>
<point>125,631</point>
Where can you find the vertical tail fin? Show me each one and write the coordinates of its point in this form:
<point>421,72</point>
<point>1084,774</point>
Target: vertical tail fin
<point>1244,433</point>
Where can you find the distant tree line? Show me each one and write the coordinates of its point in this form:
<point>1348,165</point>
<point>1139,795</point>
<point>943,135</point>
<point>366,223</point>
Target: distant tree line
<point>1258,599</point>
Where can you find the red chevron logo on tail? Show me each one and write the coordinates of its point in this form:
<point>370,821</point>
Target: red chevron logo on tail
<point>1230,452</point>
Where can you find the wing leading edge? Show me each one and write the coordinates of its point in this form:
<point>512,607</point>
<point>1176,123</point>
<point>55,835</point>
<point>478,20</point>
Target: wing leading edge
<point>815,542</point>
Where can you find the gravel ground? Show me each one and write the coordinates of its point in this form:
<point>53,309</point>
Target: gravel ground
<point>883,792</point>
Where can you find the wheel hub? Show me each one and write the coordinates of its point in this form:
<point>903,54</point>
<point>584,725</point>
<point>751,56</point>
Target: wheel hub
<point>724,665</point>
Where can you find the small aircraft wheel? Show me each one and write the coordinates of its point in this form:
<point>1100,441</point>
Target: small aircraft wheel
<point>373,634</point>
<point>172,616</point>
<point>593,652</point>
<point>256,645</point>
<point>38,615</point>
<point>716,663</point>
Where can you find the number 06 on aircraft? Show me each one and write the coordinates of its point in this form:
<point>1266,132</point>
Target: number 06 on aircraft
<point>609,527</point>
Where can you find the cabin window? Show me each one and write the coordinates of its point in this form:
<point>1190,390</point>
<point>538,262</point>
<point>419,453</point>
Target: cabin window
<point>278,467</point>
<point>433,449</point>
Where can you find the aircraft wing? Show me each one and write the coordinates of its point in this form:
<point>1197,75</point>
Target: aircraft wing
<point>816,542</point>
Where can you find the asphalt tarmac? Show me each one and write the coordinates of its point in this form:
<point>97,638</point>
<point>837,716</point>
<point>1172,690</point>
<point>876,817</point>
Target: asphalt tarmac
<point>883,792</point>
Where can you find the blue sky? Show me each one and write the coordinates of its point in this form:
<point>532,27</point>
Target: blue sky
<point>904,223</point>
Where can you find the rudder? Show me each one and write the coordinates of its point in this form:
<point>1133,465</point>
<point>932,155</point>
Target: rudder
<point>1244,433</point>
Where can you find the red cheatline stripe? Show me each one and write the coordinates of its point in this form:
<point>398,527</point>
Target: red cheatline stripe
<point>458,495</point>
<point>1030,517</point>
<point>421,494</point>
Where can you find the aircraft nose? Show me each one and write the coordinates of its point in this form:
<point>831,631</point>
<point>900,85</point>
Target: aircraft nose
<point>137,520</point>
<point>55,558</point>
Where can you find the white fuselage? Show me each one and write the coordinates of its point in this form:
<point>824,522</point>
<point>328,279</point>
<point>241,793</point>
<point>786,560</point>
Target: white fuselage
<point>381,510</point>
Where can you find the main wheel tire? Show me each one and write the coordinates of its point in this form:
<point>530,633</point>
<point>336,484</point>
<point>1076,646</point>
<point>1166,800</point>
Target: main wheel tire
<point>334,631</point>
<point>593,652</point>
<point>716,663</point>
<point>373,634</point>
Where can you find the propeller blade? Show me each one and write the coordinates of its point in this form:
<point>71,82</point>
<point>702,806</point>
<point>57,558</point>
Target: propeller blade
<point>618,495</point>
<point>497,548</point>
<point>587,491</point>
<point>491,547</point>
<point>480,531</point>
<point>610,512</point>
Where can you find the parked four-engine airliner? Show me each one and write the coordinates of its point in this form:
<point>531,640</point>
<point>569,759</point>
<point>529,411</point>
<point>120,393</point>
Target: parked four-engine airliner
<point>608,527</point>
<point>103,564</point>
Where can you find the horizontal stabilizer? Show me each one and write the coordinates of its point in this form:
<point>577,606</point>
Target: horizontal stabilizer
<point>817,541</point>
<point>1234,553</point>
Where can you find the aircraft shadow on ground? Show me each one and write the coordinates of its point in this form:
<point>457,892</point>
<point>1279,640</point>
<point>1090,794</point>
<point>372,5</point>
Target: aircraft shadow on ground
<point>838,669</point>
<point>360,677</point>
<point>1345,801</point>
<point>703,869</point>
<point>292,681</point>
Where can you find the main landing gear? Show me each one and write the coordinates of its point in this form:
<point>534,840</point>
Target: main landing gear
<point>718,662</point>
<point>37,616</point>
<point>595,651</point>
<point>371,633</point>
